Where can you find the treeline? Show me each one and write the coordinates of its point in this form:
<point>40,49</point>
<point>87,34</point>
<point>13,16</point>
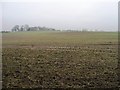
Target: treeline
<point>28,28</point>
<point>4,31</point>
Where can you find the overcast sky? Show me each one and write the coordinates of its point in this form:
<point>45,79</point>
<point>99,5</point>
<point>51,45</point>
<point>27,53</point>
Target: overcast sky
<point>60,14</point>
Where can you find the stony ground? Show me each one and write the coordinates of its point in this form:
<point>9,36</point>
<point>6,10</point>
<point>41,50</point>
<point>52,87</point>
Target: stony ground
<point>84,66</point>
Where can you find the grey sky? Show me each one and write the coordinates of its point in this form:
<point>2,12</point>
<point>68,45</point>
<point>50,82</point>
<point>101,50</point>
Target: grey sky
<point>61,14</point>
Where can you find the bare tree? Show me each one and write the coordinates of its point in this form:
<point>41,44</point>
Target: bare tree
<point>26,27</point>
<point>15,28</point>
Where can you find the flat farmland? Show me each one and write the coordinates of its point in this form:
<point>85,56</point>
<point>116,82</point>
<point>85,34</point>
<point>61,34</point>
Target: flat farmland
<point>60,59</point>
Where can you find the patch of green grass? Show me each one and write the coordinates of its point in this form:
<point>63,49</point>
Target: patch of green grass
<point>59,38</point>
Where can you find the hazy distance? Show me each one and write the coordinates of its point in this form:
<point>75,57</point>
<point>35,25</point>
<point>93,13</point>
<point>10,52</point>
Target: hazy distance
<point>61,14</point>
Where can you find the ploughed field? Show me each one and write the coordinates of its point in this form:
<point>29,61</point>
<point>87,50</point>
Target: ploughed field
<point>60,60</point>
